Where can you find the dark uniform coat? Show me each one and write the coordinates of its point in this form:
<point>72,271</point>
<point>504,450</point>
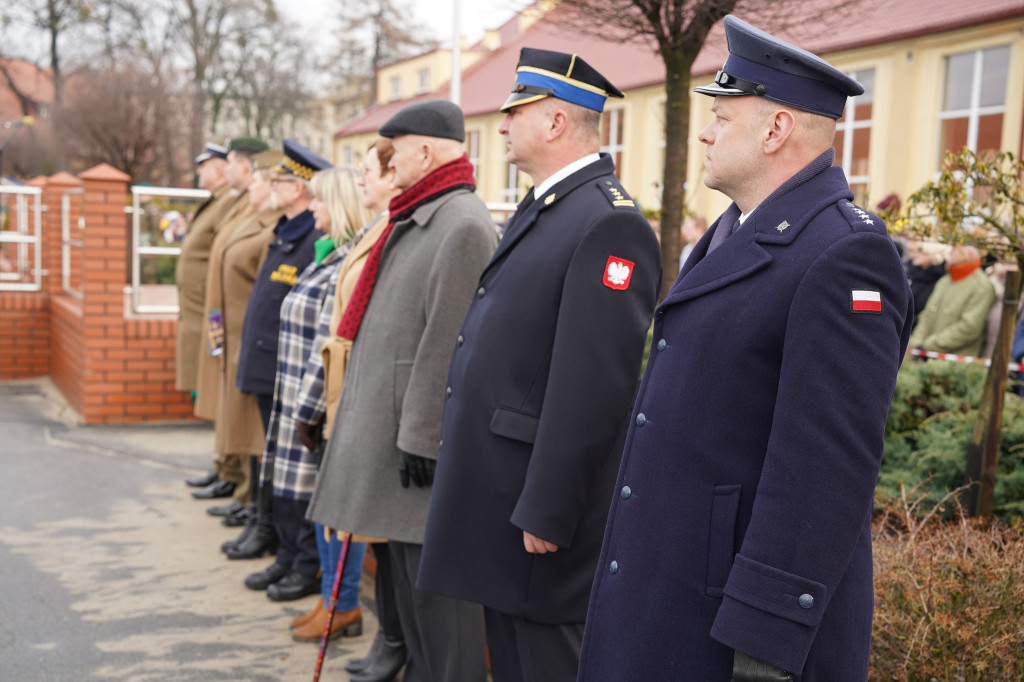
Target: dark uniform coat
<point>190,276</point>
<point>539,390</point>
<point>741,518</point>
<point>288,254</point>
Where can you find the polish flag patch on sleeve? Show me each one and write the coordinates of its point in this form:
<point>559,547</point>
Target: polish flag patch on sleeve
<point>865,301</point>
<point>617,273</point>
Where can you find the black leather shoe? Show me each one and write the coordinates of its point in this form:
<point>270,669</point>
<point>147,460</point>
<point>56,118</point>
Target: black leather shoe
<point>238,519</point>
<point>232,507</point>
<point>267,577</point>
<point>385,665</point>
<point>262,540</point>
<point>202,481</point>
<point>358,665</point>
<point>219,488</point>
<point>294,586</point>
<point>249,529</point>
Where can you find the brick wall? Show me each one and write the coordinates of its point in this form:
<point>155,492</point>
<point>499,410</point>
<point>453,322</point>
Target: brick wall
<point>112,367</point>
<point>24,335</point>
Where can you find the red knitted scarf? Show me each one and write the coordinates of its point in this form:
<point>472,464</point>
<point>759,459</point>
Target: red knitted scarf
<point>457,174</point>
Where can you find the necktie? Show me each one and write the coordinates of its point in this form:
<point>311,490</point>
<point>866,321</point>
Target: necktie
<point>722,234</point>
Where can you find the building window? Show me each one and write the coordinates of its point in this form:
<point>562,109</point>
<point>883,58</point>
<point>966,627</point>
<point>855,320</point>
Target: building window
<point>975,101</point>
<point>510,193</point>
<point>396,88</point>
<point>423,81</point>
<point>346,154</point>
<point>473,151</point>
<point>611,136</point>
<point>853,135</point>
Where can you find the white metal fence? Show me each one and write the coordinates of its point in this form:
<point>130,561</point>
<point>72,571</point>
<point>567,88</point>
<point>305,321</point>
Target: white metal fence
<point>21,253</point>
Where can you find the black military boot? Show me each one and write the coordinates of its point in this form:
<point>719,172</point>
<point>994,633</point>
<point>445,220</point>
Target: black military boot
<point>263,539</point>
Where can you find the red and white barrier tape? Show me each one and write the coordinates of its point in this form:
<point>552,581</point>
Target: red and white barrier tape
<point>1014,366</point>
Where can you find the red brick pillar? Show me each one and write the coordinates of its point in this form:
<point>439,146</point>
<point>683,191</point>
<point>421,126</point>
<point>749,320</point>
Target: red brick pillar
<point>104,267</point>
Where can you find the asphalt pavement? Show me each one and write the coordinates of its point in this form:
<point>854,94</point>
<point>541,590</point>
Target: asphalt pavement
<point>109,570</point>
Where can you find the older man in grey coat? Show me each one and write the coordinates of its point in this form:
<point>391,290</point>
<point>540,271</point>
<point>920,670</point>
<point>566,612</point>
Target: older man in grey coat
<point>404,315</point>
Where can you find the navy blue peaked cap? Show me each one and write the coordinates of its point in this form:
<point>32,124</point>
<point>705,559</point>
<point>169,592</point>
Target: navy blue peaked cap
<point>760,64</point>
<point>543,73</point>
<point>300,162</point>
<point>212,151</point>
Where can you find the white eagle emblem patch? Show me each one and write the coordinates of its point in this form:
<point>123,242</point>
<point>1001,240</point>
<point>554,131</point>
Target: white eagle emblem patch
<point>617,273</point>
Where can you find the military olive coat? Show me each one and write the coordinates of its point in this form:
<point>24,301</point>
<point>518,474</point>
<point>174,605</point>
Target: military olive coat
<point>190,277</point>
<point>210,366</point>
<point>238,427</point>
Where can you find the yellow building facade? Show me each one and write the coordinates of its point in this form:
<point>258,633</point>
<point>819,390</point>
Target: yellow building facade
<point>925,95</point>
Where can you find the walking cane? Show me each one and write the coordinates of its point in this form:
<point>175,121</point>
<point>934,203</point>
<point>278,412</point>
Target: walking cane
<point>332,605</point>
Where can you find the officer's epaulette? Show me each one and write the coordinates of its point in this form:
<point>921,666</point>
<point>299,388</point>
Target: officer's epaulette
<point>616,195</point>
<point>860,219</point>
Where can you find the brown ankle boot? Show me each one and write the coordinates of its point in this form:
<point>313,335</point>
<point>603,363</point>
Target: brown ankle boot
<point>347,623</point>
<point>306,617</point>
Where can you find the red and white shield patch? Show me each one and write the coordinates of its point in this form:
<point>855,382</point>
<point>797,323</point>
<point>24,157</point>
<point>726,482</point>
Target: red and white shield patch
<point>617,273</point>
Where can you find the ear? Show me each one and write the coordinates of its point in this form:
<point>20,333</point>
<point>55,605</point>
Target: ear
<point>778,127</point>
<point>557,125</point>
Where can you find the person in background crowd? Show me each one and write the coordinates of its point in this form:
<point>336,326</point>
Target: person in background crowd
<point>693,229</point>
<point>288,253</point>
<point>541,380</point>
<point>238,256</point>
<point>996,274</point>
<point>229,478</point>
<point>739,540</point>
<point>289,464</point>
<point>925,265</point>
<point>403,316</point>
<point>190,271</point>
<point>388,653</point>
<point>1017,349</point>
<point>953,321</point>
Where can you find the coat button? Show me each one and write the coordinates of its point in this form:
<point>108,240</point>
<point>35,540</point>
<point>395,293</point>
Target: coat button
<point>613,567</point>
<point>461,340</point>
<point>662,344</point>
<point>641,419</point>
<point>626,492</point>
<point>448,392</point>
<point>806,601</point>
<point>440,443</point>
<point>479,294</point>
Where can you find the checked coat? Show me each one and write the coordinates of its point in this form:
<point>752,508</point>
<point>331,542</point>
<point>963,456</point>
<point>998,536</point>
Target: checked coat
<point>741,515</point>
<point>305,320</point>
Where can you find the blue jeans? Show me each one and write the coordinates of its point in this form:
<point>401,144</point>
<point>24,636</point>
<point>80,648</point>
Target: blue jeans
<point>330,552</point>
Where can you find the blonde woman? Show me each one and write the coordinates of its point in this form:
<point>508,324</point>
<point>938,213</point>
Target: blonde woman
<point>288,465</point>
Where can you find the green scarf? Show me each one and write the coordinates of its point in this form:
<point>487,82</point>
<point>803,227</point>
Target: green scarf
<point>323,247</point>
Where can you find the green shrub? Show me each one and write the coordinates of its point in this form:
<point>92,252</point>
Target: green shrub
<point>930,424</point>
<point>949,597</point>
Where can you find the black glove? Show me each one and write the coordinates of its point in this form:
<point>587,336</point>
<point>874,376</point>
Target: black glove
<point>748,669</point>
<point>419,470</point>
<point>309,435</point>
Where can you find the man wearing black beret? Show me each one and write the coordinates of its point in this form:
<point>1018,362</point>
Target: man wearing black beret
<point>541,381</point>
<point>403,316</point>
<point>739,540</point>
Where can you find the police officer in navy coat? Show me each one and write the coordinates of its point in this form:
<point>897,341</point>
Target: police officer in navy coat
<point>739,543</point>
<point>541,381</point>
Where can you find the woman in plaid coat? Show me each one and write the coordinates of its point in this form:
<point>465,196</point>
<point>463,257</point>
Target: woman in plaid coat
<point>287,462</point>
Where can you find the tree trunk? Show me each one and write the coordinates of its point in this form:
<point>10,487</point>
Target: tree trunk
<point>678,62</point>
<point>998,369</point>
